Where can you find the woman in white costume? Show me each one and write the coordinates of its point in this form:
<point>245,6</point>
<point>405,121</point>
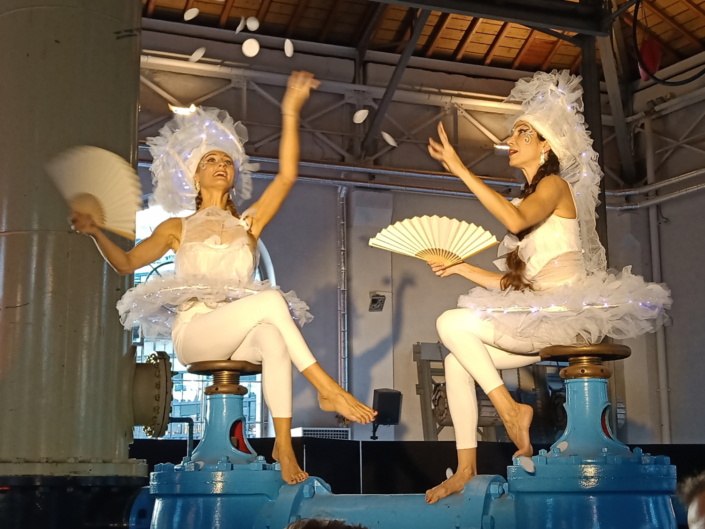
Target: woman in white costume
<point>211,307</point>
<point>553,288</point>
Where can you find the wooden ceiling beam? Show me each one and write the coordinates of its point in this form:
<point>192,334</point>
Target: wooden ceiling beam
<point>225,14</point>
<point>524,48</point>
<point>296,17</point>
<point>576,62</point>
<point>330,19</point>
<point>695,8</point>
<point>549,58</point>
<point>646,31</point>
<point>404,31</point>
<point>435,36</point>
<point>675,25</point>
<point>368,27</point>
<point>263,10</point>
<point>459,52</point>
<point>149,9</point>
<point>497,42</point>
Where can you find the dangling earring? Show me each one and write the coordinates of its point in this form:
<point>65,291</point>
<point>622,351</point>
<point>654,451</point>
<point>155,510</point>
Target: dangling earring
<point>543,158</point>
<point>198,186</point>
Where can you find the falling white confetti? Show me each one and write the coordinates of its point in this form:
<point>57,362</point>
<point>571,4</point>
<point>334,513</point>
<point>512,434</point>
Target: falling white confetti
<point>250,48</point>
<point>191,13</point>
<point>360,116</point>
<point>388,138</point>
<point>197,55</point>
<point>240,26</point>
<point>449,473</point>
<point>562,446</point>
<point>252,24</point>
<point>288,48</point>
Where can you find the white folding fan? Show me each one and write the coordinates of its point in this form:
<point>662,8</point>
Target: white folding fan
<point>101,184</point>
<point>439,239</point>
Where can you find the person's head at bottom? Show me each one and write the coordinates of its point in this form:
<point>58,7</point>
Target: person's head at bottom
<point>319,523</point>
<point>693,494</point>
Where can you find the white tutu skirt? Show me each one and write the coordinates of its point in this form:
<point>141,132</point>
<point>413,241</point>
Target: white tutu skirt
<point>153,305</point>
<point>619,305</point>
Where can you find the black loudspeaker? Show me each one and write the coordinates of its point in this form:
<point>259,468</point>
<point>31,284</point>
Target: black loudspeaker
<point>387,404</point>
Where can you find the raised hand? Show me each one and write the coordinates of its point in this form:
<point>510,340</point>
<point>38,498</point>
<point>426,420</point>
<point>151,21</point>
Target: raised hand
<point>445,153</point>
<point>298,90</point>
<point>83,223</point>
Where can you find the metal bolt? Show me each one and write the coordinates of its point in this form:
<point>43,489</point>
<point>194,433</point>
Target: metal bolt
<point>496,490</point>
<point>260,459</point>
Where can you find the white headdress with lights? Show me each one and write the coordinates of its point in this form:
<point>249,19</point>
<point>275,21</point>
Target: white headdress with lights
<point>552,104</point>
<point>180,146</point>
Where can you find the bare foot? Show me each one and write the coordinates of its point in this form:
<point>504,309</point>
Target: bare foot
<point>518,430</point>
<point>454,484</point>
<point>348,406</point>
<point>291,471</point>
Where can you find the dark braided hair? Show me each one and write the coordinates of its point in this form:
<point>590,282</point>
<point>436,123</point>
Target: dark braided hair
<point>514,278</point>
<point>229,204</point>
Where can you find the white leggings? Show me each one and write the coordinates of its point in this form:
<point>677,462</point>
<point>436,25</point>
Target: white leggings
<point>475,356</point>
<point>257,329</point>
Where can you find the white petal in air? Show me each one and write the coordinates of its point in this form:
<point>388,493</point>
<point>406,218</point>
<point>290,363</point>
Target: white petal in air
<point>191,13</point>
<point>288,48</point>
<point>240,26</point>
<point>197,55</point>
<point>449,473</point>
<point>388,138</point>
<point>562,446</point>
<point>360,116</point>
<point>250,48</point>
<point>252,24</point>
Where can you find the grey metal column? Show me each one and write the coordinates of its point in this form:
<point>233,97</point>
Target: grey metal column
<point>593,118</point>
<point>70,76</point>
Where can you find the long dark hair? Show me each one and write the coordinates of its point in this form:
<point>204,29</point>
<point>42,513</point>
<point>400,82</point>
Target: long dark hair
<point>514,278</point>
<point>229,204</point>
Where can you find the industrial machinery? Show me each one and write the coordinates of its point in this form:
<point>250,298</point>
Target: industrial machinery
<point>588,478</point>
<point>546,395</point>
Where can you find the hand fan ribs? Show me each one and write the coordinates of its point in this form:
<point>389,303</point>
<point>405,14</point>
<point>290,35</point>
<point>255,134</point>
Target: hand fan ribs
<point>101,184</point>
<point>437,239</point>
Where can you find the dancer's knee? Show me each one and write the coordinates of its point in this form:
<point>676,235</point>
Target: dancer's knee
<point>274,301</point>
<point>451,321</point>
<point>447,323</point>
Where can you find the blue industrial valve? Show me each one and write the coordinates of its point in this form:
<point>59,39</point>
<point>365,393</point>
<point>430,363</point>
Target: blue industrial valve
<point>588,479</point>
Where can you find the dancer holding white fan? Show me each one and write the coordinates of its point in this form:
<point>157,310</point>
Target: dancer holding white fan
<point>552,288</point>
<point>221,311</point>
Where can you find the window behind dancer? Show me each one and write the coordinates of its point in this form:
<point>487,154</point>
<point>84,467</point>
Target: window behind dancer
<point>221,311</point>
<point>553,289</point>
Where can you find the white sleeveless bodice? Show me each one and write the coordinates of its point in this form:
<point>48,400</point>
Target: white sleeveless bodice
<point>216,244</point>
<point>552,251</point>
<point>214,265</point>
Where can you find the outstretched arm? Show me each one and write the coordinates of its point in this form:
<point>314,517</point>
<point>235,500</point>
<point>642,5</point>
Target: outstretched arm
<point>538,206</point>
<point>297,92</point>
<point>479,276</point>
<point>146,252</point>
